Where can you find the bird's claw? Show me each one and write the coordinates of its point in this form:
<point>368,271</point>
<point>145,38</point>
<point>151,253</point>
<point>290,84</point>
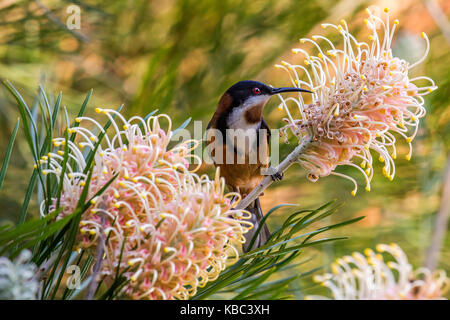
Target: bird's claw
<point>277,176</point>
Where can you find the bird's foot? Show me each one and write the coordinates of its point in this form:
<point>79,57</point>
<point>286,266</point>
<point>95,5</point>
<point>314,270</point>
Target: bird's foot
<point>277,176</point>
<point>273,173</point>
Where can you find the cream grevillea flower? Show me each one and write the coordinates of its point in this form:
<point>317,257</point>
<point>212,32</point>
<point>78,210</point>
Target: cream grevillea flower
<point>363,98</point>
<point>177,229</point>
<point>369,277</point>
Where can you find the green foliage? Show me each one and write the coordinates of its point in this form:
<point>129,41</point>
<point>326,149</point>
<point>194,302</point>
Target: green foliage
<point>248,277</point>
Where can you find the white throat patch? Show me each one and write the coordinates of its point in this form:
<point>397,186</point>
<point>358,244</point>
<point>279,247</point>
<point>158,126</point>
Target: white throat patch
<point>245,132</point>
<point>236,119</point>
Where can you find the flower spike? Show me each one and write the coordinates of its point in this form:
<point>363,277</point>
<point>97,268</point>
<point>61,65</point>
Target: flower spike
<point>175,227</point>
<point>363,100</point>
<point>369,277</point>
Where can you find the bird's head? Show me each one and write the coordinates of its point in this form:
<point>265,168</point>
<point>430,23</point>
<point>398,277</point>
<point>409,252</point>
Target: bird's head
<point>246,99</point>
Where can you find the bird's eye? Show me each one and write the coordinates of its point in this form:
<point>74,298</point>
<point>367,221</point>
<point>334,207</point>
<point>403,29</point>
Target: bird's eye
<point>256,91</point>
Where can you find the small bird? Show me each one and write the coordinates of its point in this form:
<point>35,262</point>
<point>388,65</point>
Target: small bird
<point>239,145</point>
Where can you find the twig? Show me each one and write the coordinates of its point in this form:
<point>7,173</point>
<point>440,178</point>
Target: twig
<point>440,223</point>
<point>267,181</point>
<point>56,21</point>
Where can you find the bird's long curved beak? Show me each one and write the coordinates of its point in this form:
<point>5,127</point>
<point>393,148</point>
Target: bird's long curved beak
<point>280,90</point>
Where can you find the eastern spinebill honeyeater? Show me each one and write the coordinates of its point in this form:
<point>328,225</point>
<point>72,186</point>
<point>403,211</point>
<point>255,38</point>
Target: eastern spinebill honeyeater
<point>241,144</point>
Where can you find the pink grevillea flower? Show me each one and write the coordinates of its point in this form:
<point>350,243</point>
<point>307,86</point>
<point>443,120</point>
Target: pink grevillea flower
<point>363,98</point>
<point>168,229</point>
<point>359,277</point>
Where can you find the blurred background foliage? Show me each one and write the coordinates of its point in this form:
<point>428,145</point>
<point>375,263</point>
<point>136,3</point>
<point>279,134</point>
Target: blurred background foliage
<point>180,56</point>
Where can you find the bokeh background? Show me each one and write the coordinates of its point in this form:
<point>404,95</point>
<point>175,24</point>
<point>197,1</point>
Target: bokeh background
<point>180,56</point>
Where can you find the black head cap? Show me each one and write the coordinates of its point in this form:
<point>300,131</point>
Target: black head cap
<point>242,90</point>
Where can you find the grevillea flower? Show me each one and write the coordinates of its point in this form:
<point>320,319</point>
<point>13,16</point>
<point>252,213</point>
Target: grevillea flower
<point>17,278</point>
<point>359,277</point>
<point>172,229</point>
<point>363,97</point>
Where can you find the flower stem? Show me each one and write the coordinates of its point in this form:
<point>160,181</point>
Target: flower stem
<point>267,181</point>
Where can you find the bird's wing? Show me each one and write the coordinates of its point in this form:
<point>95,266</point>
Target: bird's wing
<point>265,126</point>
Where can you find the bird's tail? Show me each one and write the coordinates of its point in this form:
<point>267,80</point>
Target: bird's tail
<point>264,234</point>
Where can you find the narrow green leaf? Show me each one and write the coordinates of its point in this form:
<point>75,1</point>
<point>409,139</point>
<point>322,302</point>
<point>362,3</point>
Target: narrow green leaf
<point>304,245</point>
<point>6,226</point>
<point>49,230</point>
<point>80,113</point>
<point>28,194</point>
<point>274,287</point>
<point>263,221</point>
<point>26,116</point>
<point>63,165</point>
<point>26,227</point>
<point>91,155</point>
<point>8,153</point>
